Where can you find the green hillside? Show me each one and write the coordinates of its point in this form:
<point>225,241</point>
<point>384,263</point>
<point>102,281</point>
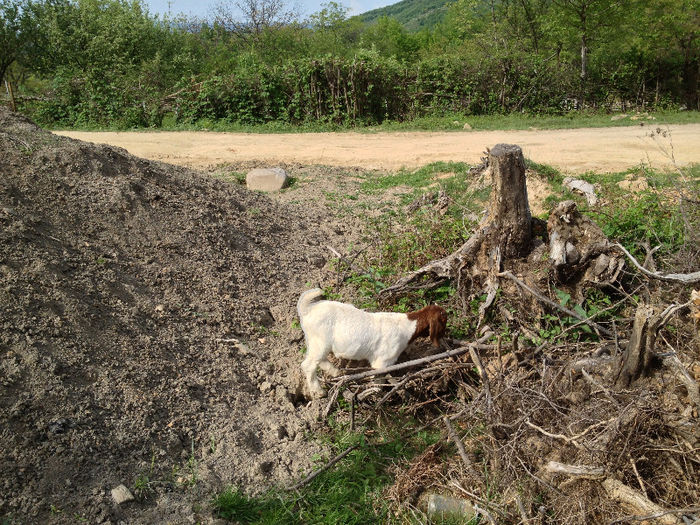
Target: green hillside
<point>414,15</point>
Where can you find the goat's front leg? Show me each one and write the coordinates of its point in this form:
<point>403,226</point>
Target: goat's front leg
<point>315,355</point>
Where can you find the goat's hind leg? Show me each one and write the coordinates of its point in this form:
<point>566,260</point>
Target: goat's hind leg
<point>329,368</point>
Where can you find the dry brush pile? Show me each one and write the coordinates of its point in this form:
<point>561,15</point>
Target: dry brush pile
<point>599,428</point>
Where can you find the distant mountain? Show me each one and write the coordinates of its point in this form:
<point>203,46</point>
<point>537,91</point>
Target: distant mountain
<point>413,14</point>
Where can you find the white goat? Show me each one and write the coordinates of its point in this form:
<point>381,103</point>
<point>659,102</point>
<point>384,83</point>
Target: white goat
<point>350,333</point>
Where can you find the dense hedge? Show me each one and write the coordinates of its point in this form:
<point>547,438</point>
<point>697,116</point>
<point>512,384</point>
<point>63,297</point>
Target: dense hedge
<point>111,63</point>
<point>367,89</point>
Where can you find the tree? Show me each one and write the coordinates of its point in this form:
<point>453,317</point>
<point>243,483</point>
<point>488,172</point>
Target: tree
<point>390,38</point>
<point>14,36</point>
<point>249,18</point>
<point>585,21</point>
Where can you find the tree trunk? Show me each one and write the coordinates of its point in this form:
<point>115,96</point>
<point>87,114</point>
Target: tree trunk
<point>584,70</point>
<point>11,93</point>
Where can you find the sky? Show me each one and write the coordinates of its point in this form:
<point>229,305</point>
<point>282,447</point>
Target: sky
<point>202,8</point>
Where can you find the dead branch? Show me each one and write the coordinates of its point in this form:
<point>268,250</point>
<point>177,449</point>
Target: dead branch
<point>639,478</point>
<point>484,378</point>
<point>596,384</point>
<point>489,504</point>
<point>349,262</point>
<point>682,278</point>
<point>556,436</point>
<point>686,511</point>
<point>458,443</point>
<point>421,361</point>
<point>485,513</point>
<point>440,269</point>
<point>325,467</point>
<point>635,501</point>
<point>690,384</point>
<point>343,380</point>
<point>556,305</point>
<point>578,471</point>
<point>521,509</point>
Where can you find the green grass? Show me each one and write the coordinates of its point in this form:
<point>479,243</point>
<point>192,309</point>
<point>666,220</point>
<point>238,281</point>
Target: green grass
<point>450,122</point>
<point>401,234</point>
<point>235,177</point>
<point>351,492</point>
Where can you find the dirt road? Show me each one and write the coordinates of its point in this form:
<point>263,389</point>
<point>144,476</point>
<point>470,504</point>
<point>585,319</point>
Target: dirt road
<point>572,150</point>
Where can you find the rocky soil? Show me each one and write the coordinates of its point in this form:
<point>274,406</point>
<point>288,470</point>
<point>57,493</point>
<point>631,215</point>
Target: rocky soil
<point>147,333</point>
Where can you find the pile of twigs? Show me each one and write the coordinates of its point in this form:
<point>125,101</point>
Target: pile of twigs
<point>551,433</point>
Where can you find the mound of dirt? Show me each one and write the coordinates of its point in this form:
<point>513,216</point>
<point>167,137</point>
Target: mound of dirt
<point>137,305</point>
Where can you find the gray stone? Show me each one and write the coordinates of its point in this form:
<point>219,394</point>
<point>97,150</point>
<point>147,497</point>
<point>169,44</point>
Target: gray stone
<point>266,179</point>
<point>121,494</point>
<point>585,188</point>
<point>466,126</point>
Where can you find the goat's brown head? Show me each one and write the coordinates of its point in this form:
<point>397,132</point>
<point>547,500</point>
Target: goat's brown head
<point>431,322</point>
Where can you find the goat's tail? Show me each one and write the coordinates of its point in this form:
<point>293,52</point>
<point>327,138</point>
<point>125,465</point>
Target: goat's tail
<point>307,299</point>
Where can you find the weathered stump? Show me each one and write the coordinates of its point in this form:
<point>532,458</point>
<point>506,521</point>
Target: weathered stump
<point>580,253</point>
<point>505,232</point>
<point>509,219</point>
<point>637,357</point>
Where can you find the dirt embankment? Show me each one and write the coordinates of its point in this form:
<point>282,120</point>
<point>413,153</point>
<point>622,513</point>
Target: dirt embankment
<point>145,333</point>
<point>571,150</point>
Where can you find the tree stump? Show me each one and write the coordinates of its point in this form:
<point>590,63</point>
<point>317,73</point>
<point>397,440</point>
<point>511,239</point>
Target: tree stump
<point>580,253</point>
<point>505,232</point>
<point>509,215</point>
<point>637,357</point>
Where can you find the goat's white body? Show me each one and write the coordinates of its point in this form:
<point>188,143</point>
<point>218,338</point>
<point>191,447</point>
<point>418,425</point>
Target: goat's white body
<point>350,333</point>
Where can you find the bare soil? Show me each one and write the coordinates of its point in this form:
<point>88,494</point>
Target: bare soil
<point>147,332</point>
<point>570,150</point>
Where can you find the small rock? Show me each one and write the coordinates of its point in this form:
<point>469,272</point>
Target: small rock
<point>266,179</point>
<point>618,117</point>
<point>160,308</point>
<point>265,386</point>
<point>583,187</point>
<point>121,494</point>
<point>60,425</point>
<point>466,126</point>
